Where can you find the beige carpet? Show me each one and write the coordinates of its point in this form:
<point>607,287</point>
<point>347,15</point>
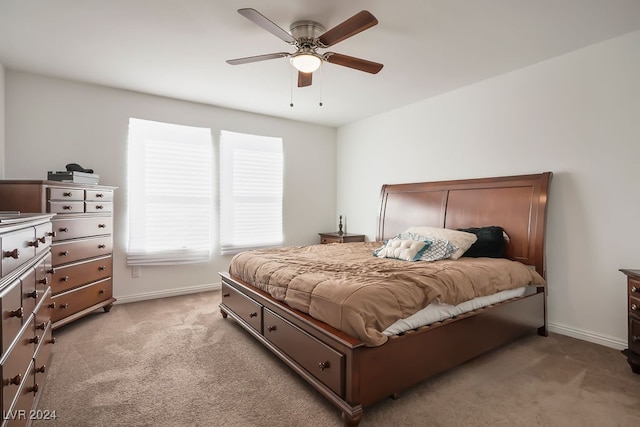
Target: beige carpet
<point>177,362</point>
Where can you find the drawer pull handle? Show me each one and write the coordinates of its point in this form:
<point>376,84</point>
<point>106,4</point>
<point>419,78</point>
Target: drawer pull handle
<point>12,254</point>
<point>64,253</point>
<point>102,246</point>
<point>64,279</point>
<point>35,243</point>
<point>44,281</point>
<point>35,340</point>
<point>102,268</point>
<point>101,291</point>
<point>64,230</point>
<point>51,234</point>
<point>18,312</point>
<point>226,294</point>
<point>271,328</point>
<point>52,340</point>
<point>253,314</point>
<point>634,289</point>
<point>41,325</point>
<point>33,294</point>
<point>99,207</point>
<point>52,305</point>
<point>324,365</point>
<point>51,271</point>
<point>99,195</point>
<point>634,307</point>
<point>635,338</point>
<point>102,225</point>
<point>16,380</point>
<point>67,194</point>
<point>67,207</point>
<point>42,369</point>
<point>65,305</point>
<point>35,388</point>
<point>42,239</point>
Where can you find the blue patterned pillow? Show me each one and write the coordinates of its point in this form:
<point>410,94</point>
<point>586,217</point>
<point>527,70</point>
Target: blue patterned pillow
<point>404,249</point>
<point>439,248</point>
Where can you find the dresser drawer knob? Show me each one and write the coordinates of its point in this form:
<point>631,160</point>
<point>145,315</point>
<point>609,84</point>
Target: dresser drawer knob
<point>324,365</point>
<point>44,281</point>
<point>64,253</point>
<point>35,388</point>
<point>41,326</point>
<point>634,307</point>
<point>271,328</point>
<point>253,314</point>
<point>32,294</point>
<point>42,369</point>
<point>635,338</point>
<point>99,207</point>
<point>64,230</point>
<point>102,225</point>
<point>634,289</point>
<point>65,305</point>
<point>67,194</point>
<point>102,246</point>
<point>15,254</point>
<point>35,243</point>
<point>102,268</point>
<point>52,305</point>
<point>102,291</point>
<point>226,294</point>
<point>51,271</point>
<point>18,312</point>
<point>35,340</point>
<point>16,380</point>
<point>64,279</point>
<point>42,239</point>
<point>51,234</point>
<point>99,195</point>
<point>67,207</point>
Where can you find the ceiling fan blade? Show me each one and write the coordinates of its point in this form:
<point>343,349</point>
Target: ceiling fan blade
<point>351,62</point>
<point>304,79</point>
<point>352,26</point>
<point>261,20</point>
<point>257,58</point>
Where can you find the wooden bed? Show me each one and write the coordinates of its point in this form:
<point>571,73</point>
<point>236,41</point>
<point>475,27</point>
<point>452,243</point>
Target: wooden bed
<point>352,375</point>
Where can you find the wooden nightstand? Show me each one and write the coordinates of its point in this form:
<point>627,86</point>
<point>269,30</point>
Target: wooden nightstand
<point>340,238</point>
<point>633,309</point>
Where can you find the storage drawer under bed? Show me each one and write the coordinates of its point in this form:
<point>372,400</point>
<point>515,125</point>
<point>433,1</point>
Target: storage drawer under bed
<point>249,310</point>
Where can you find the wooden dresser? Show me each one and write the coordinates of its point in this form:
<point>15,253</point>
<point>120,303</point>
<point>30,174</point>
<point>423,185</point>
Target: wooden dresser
<point>82,242</point>
<point>340,238</point>
<point>633,309</point>
<point>26,304</point>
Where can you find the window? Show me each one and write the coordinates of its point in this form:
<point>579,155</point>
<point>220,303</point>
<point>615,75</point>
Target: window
<point>170,193</point>
<point>251,175</point>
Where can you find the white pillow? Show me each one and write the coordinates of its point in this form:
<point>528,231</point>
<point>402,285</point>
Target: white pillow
<point>404,249</point>
<point>461,239</point>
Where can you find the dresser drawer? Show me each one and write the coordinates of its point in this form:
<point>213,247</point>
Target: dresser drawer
<point>72,302</point>
<point>15,369</point>
<point>67,252</point>
<point>73,228</point>
<point>41,358</point>
<point>99,195</point>
<point>74,275</point>
<point>42,316</point>
<point>12,313</point>
<point>24,400</point>
<point>634,335</point>
<point>98,207</point>
<point>634,306</point>
<point>30,296</point>
<point>633,287</point>
<point>65,207</point>
<point>249,310</point>
<point>68,194</point>
<point>320,360</point>
<point>44,233</point>
<point>18,247</point>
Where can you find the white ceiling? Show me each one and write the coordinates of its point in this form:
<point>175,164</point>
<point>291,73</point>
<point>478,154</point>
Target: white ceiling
<point>178,48</point>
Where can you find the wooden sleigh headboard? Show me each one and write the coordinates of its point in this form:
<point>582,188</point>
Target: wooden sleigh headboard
<point>518,204</point>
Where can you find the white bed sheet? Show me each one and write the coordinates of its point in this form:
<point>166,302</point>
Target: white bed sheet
<point>436,312</point>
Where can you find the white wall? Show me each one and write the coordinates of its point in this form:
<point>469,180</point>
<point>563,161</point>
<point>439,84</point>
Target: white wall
<point>52,122</point>
<point>2,120</point>
<point>578,116</point>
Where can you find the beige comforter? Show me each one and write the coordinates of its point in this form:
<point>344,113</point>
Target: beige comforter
<point>347,287</point>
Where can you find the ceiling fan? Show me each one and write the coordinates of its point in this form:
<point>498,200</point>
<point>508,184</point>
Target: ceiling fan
<point>308,37</point>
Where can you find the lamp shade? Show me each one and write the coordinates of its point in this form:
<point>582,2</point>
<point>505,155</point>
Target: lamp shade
<point>306,62</point>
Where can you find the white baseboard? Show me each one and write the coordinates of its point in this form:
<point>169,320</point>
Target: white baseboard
<point>588,336</point>
<point>169,293</point>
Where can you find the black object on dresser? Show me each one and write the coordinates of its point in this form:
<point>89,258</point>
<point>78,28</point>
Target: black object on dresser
<point>25,301</point>
<point>81,251</point>
<point>633,308</point>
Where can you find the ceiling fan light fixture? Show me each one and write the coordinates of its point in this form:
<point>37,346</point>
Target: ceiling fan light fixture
<point>306,62</point>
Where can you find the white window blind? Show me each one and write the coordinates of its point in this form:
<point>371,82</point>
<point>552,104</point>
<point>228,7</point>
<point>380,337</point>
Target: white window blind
<point>169,193</point>
<point>251,176</point>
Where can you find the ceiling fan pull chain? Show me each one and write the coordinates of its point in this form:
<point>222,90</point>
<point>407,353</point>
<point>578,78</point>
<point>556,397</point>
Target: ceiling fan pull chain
<point>291,87</point>
<point>321,79</point>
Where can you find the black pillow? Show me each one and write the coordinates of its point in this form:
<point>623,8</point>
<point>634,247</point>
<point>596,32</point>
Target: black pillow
<point>491,242</point>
